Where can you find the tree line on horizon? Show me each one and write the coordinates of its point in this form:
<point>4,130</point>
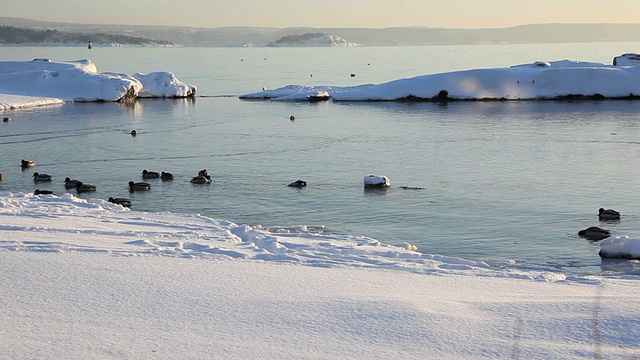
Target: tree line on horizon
<point>16,35</point>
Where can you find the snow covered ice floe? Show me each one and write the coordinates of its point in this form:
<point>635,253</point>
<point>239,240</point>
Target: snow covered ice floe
<point>620,247</point>
<point>43,82</point>
<point>540,80</point>
<point>375,181</point>
<point>163,84</point>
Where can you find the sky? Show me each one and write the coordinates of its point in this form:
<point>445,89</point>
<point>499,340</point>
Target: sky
<point>328,13</point>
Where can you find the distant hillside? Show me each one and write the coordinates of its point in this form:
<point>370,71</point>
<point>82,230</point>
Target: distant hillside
<point>401,36</point>
<point>15,35</point>
<point>312,39</point>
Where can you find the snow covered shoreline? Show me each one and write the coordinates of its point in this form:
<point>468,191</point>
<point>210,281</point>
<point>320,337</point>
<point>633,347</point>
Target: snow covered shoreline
<point>90,279</point>
<point>43,82</point>
<point>541,80</point>
<point>95,305</point>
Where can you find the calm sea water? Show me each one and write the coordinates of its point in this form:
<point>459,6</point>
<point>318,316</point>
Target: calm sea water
<point>510,183</point>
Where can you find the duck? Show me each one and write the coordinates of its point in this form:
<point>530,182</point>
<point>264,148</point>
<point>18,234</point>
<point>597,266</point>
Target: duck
<point>298,184</point>
<point>83,188</point>
<point>6,119</point>
<point>608,214</point>
<point>121,201</point>
<point>150,174</point>
<point>134,133</point>
<point>594,233</point>
<point>143,186</point>
<point>203,172</point>
<point>41,177</point>
<point>27,163</point>
<point>43,192</point>
<point>71,184</point>
<point>206,179</point>
<point>165,176</point>
<point>1,176</point>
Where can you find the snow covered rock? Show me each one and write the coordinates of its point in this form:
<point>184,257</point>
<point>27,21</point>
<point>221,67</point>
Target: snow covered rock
<point>373,181</point>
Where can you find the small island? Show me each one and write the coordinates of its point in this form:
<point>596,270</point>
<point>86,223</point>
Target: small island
<point>11,35</point>
<point>539,80</point>
<point>312,40</point>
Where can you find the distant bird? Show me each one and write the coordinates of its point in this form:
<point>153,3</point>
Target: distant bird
<point>83,188</point>
<point>594,233</point>
<point>608,214</point>
<point>121,201</point>
<point>41,177</point>
<point>71,184</point>
<point>206,179</point>
<point>43,192</point>
<point>134,132</point>
<point>6,119</point>
<point>141,186</point>
<point>203,172</point>
<point>165,176</point>
<point>150,174</point>
<point>292,118</point>
<point>298,184</point>
<point>27,163</point>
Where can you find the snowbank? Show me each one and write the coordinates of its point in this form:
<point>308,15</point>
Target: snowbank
<point>540,80</point>
<point>91,279</point>
<point>620,247</point>
<point>42,82</point>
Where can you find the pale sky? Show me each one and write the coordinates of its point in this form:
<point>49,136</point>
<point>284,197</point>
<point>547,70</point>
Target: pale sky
<point>326,13</point>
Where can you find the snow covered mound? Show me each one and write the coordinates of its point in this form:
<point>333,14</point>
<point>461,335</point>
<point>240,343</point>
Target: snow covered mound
<point>628,59</point>
<point>620,247</point>
<point>374,181</point>
<point>163,84</point>
<point>67,81</point>
<point>312,40</point>
<point>540,80</point>
<point>42,82</point>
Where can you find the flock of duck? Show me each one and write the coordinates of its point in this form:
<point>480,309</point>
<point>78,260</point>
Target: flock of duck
<point>203,177</point>
<point>595,233</point>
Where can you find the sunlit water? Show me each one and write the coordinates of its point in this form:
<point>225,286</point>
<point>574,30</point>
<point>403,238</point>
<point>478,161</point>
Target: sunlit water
<point>510,183</point>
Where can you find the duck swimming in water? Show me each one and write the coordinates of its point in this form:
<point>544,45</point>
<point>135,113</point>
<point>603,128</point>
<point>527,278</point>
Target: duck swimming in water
<point>165,176</point>
<point>71,184</point>
<point>139,186</point>
<point>608,214</point>
<point>83,188</point>
<point>150,174</point>
<point>27,164</point>
<point>43,192</point>
<point>41,177</point>
<point>298,184</point>
<point>206,179</point>
<point>594,233</point>
<point>121,201</point>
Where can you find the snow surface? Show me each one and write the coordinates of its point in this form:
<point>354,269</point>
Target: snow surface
<point>43,82</point>
<point>90,279</point>
<point>620,247</point>
<point>536,81</point>
<point>376,180</point>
